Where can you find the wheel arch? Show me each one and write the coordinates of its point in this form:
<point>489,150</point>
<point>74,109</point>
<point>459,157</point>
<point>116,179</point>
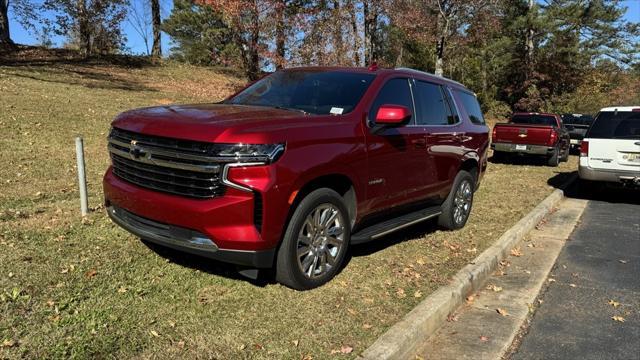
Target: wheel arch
<point>471,164</point>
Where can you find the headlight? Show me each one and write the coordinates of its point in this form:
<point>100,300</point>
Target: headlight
<point>251,153</point>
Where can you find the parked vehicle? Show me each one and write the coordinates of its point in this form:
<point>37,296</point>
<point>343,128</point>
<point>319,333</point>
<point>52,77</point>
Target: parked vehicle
<point>297,167</point>
<point>610,151</point>
<point>532,134</point>
<point>577,125</point>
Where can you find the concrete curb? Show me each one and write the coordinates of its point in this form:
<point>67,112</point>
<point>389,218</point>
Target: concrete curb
<point>403,338</point>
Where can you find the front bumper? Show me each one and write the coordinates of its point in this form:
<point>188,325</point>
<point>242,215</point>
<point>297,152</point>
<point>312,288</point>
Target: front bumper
<point>186,240</point>
<point>616,176</point>
<point>523,148</point>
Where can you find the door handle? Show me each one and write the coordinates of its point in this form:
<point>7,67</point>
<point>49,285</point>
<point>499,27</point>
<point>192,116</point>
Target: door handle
<point>637,143</point>
<point>419,143</point>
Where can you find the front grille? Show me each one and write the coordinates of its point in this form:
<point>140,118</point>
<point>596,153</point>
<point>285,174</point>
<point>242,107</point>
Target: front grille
<point>173,166</point>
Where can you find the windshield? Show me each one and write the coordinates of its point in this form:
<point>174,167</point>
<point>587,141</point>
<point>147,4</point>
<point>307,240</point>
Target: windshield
<point>315,92</point>
<point>534,120</point>
<point>577,119</point>
<point>616,125</point>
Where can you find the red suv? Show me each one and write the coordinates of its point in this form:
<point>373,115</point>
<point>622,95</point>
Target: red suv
<point>295,168</point>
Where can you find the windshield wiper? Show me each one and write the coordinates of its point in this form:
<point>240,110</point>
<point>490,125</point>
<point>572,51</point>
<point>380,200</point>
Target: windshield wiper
<point>287,108</point>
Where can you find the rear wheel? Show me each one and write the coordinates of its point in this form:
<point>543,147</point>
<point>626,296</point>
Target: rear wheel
<point>554,159</point>
<point>315,242</point>
<point>567,152</point>
<point>457,207</point>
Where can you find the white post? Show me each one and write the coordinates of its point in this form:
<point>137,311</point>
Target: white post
<point>82,177</point>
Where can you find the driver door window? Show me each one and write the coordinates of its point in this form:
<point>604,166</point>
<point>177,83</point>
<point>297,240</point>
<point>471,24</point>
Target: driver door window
<point>396,92</point>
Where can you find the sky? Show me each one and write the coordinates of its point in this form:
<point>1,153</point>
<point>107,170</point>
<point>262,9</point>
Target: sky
<point>135,44</point>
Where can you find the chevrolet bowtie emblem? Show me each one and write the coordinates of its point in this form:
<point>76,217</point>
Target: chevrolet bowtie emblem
<point>522,135</point>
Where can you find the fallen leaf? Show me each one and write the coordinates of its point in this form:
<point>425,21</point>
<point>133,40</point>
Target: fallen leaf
<point>346,349</point>
<point>615,304</point>
<point>181,344</point>
<point>367,326</point>
<point>572,285</point>
<point>417,294</point>
<point>295,343</point>
<point>551,280</point>
<point>617,318</point>
<point>484,338</point>
<point>50,303</point>
<point>516,252</point>
<point>470,299</point>
<point>540,301</point>
<point>420,261</point>
<point>9,343</point>
<point>472,250</point>
<point>452,318</point>
<point>154,333</point>
<point>400,293</point>
<point>172,324</point>
<point>493,287</point>
<point>91,273</point>
<point>502,312</point>
<point>623,261</point>
<point>122,290</point>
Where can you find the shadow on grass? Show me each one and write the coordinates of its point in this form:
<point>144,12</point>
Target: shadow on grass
<point>210,266</point>
<point>82,76</point>
<point>597,191</point>
<point>64,66</point>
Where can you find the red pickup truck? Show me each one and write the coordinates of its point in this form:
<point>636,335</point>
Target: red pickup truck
<point>533,134</point>
<point>297,167</point>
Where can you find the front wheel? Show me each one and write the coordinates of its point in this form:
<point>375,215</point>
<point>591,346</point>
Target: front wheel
<point>315,242</point>
<point>457,207</point>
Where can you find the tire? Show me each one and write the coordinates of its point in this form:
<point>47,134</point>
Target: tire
<point>565,157</point>
<point>461,199</point>
<point>554,159</point>
<point>319,214</point>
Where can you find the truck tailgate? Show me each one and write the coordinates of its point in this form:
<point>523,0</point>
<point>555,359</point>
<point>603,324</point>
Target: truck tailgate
<point>522,134</point>
<point>614,154</point>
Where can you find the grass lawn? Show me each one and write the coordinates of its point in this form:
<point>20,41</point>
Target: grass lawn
<point>85,288</point>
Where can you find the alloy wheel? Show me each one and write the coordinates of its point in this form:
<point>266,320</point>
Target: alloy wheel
<point>320,240</point>
<point>462,202</point>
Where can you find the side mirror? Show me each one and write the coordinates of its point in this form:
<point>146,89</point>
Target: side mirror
<point>393,115</point>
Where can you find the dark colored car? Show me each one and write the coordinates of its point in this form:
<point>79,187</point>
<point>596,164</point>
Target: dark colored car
<point>532,134</point>
<point>297,167</point>
<point>577,126</point>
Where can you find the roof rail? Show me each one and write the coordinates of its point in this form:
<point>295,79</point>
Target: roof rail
<point>429,74</point>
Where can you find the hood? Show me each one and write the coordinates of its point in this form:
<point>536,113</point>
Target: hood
<point>213,122</point>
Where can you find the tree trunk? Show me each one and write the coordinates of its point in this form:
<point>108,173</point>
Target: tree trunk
<point>440,56</point>
<point>253,68</point>
<point>365,10</point>
<point>84,29</point>
<point>5,35</point>
<point>356,34</point>
<point>280,34</point>
<point>338,46</point>
<point>529,53</point>
<point>156,50</point>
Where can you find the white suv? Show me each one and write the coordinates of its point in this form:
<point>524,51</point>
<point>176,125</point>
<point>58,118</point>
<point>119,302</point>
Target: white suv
<point>610,150</point>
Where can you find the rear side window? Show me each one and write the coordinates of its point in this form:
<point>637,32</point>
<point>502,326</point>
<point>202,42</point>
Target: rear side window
<point>616,125</point>
<point>433,105</point>
<point>470,103</point>
<point>534,120</point>
<point>394,92</point>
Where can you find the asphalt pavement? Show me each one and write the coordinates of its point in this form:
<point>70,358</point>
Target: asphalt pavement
<point>591,308</point>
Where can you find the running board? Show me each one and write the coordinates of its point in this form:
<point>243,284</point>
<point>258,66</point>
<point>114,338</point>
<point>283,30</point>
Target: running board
<point>386,227</point>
